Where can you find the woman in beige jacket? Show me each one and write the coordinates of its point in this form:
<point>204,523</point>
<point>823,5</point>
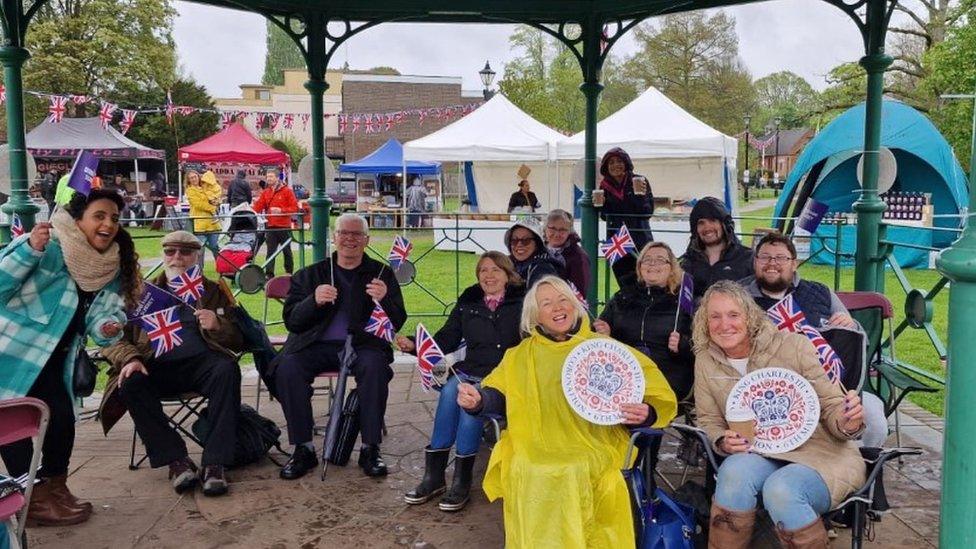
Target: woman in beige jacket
<point>732,337</point>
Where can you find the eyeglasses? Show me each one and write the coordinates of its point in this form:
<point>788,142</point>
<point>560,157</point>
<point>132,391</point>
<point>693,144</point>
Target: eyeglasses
<point>356,235</point>
<point>560,230</point>
<point>185,252</point>
<point>766,258</point>
<point>656,261</point>
<point>521,241</point>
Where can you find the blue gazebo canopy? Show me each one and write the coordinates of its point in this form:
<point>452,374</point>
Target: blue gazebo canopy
<point>389,159</point>
<point>827,168</point>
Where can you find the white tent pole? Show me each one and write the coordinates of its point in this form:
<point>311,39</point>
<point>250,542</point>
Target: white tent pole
<point>137,174</point>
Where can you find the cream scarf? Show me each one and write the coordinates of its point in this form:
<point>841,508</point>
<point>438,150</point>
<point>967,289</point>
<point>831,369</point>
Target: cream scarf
<point>91,270</point>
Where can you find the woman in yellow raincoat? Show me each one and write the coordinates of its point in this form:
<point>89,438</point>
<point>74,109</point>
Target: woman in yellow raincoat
<point>203,194</point>
<point>559,474</point>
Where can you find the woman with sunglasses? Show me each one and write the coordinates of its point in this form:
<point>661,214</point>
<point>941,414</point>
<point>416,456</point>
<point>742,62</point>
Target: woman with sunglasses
<point>60,284</point>
<point>528,253</point>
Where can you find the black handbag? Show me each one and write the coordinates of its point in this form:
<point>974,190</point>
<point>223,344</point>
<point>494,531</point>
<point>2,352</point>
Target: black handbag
<point>85,370</point>
<point>341,450</point>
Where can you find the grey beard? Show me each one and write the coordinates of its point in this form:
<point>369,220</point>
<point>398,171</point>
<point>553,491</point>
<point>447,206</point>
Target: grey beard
<point>173,272</point>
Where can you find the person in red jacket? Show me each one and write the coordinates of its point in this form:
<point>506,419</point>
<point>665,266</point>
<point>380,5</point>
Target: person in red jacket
<point>279,202</point>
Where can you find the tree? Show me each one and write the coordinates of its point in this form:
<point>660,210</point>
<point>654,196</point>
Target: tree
<point>153,131</point>
<point>848,87</point>
<point>786,96</point>
<point>282,54</point>
<point>544,81</point>
<point>922,25</point>
<point>693,59</point>
<point>288,144</point>
<point>111,49</point>
<point>950,65</point>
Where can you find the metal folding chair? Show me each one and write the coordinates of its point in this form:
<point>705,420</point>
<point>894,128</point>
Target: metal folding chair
<point>21,418</point>
<point>188,406</point>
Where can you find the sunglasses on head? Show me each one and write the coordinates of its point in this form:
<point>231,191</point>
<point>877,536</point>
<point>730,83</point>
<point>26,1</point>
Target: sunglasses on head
<point>182,251</point>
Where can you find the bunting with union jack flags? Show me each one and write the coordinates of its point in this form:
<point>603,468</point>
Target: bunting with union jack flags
<point>128,119</point>
<point>428,355</point>
<point>379,324</point>
<point>57,108</point>
<point>618,245</point>
<point>189,285</point>
<point>399,252</point>
<point>105,114</point>
<point>16,226</point>
<point>163,329</point>
<point>787,316</point>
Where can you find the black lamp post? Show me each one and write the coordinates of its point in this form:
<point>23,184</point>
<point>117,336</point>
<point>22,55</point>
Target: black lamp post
<point>745,172</point>
<point>487,76</point>
<point>776,123</point>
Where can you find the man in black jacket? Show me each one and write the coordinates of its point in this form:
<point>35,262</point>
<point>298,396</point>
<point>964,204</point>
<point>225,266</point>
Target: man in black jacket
<point>327,301</point>
<point>714,252</point>
<point>239,190</point>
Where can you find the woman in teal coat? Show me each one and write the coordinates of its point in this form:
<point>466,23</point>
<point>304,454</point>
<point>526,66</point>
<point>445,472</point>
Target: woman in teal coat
<point>64,282</point>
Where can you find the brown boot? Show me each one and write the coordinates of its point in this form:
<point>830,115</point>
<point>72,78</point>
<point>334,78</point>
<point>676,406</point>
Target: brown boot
<point>60,489</point>
<point>47,508</point>
<point>811,536</point>
<point>730,529</point>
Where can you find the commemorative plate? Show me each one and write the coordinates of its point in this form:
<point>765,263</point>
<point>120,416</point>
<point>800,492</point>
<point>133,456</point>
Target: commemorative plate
<point>598,376</point>
<point>785,405</point>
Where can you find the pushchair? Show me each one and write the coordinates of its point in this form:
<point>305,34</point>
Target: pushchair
<point>241,244</point>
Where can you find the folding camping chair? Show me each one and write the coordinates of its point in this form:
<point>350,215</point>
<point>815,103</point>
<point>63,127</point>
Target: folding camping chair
<point>890,383</point>
<point>277,289</point>
<point>188,406</point>
<point>867,502</point>
<point>21,418</point>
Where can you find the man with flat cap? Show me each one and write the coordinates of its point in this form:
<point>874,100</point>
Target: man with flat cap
<point>204,363</point>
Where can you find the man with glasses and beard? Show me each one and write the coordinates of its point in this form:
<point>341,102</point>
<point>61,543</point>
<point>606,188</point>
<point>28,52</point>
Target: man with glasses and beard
<point>204,363</point>
<point>326,302</point>
<point>776,277</point>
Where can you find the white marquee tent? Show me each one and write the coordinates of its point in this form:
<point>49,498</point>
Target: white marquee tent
<point>498,138</point>
<point>682,156</point>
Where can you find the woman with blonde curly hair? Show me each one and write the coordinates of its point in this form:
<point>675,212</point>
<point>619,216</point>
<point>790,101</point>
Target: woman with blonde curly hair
<point>732,337</point>
<point>558,473</point>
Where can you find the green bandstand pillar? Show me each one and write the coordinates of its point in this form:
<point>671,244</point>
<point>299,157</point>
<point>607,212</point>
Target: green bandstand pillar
<point>13,59</point>
<point>320,203</point>
<point>957,529</point>
<point>591,87</point>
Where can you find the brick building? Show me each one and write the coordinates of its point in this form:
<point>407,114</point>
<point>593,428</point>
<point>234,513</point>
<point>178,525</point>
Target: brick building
<point>375,93</point>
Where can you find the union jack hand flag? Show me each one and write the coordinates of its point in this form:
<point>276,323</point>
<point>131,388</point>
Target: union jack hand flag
<point>16,226</point>
<point>189,285</point>
<point>788,317</point>
<point>399,252</point>
<point>163,329</point>
<point>57,108</point>
<point>579,295</point>
<point>428,355</point>
<point>618,246</point>
<point>379,324</point>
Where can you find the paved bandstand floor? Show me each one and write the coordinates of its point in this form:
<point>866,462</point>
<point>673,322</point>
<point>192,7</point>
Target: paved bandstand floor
<point>139,509</point>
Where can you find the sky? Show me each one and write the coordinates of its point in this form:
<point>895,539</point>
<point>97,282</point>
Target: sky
<point>224,48</point>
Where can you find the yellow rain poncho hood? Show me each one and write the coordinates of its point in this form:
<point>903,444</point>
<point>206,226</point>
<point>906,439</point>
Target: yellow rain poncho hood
<point>560,475</point>
<point>203,200</point>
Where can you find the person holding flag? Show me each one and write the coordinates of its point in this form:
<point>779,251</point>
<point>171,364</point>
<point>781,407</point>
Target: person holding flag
<point>326,302</point>
<point>650,318</point>
<point>775,278</point>
<point>61,283</point>
<point>486,317</point>
<point>182,341</point>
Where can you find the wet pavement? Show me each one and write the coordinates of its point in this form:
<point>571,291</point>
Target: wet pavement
<point>139,509</point>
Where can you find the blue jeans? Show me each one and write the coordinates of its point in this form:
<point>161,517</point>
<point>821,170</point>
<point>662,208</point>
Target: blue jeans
<point>793,494</point>
<point>209,241</point>
<point>452,425</point>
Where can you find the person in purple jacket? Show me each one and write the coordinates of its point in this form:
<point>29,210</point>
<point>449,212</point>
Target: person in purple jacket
<point>564,246</point>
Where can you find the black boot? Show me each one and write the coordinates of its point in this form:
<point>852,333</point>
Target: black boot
<point>435,462</point>
<point>457,497</point>
<point>371,461</point>
<point>302,461</point>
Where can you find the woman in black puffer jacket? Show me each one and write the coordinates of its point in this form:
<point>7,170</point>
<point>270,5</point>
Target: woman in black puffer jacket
<point>644,317</point>
<point>529,255</point>
<point>486,318</point>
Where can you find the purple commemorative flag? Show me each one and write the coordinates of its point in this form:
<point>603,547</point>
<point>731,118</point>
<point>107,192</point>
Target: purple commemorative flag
<point>811,215</point>
<point>153,299</point>
<point>83,172</point>
<point>686,296</point>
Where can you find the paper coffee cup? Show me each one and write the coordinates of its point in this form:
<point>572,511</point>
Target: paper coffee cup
<point>640,186</point>
<point>742,421</point>
<point>598,198</point>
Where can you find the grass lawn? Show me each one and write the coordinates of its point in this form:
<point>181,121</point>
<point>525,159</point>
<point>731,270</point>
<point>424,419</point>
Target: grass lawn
<point>441,275</point>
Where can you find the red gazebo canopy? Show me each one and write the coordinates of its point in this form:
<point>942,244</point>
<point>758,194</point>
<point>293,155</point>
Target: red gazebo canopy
<point>233,144</point>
